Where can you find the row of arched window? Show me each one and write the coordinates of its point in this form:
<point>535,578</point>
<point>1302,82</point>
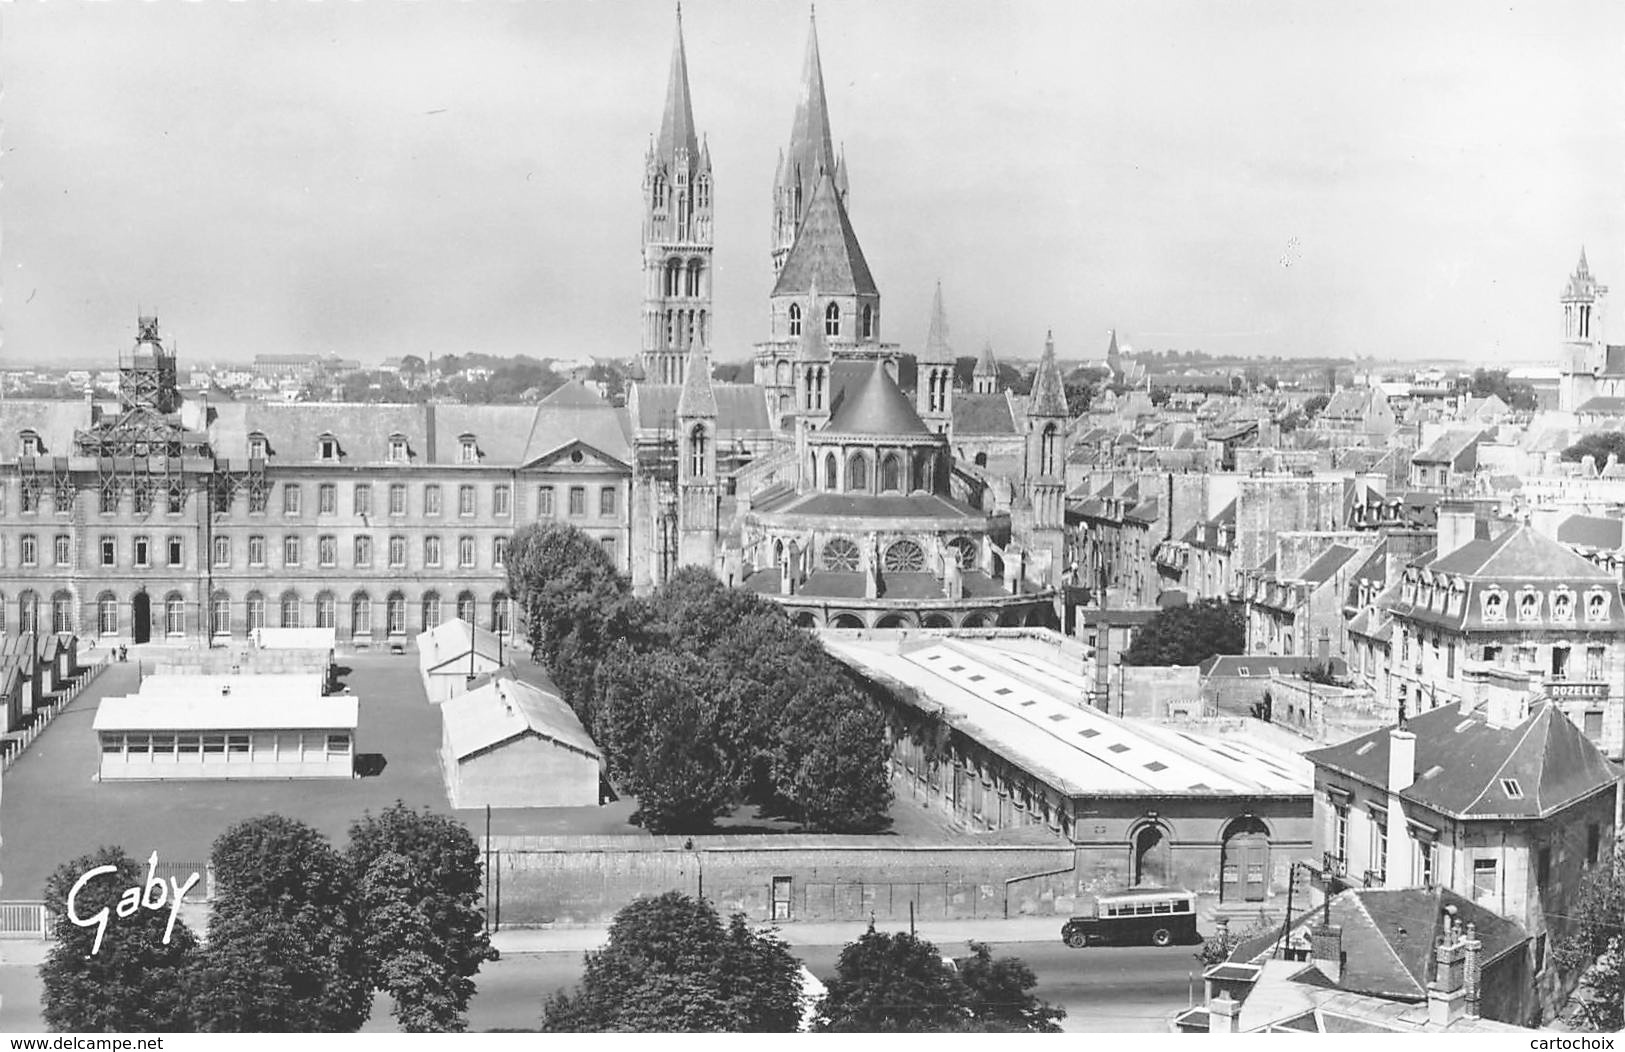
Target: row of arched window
<point>899,472</point>
<point>683,278</point>
<point>904,556</point>
<point>832,320</point>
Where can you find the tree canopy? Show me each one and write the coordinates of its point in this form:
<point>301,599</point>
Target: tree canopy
<point>1597,446</point>
<point>670,965</point>
<point>1595,946</point>
<point>1485,383</point>
<point>1189,635</point>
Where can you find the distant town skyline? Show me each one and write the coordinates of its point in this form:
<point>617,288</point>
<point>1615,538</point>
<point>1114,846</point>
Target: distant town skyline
<point>371,180</point>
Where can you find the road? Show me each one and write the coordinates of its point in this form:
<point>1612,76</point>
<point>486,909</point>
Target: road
<point>1103,989</point>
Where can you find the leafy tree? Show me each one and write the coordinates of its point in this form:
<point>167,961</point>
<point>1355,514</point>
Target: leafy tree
<point>1313,406</point>
<point>670,965</point>
<point>432,878</point>
<point>1217,948</point>
<point>892,983</point>
<point>1597,446</point>
<point>412,367</point>
<point>1159,396</point>
<point>282,954</point>
<point>732,372</point>
<point>831,764</point>
<point>1321,673</point>
<point>1189,635</point>
<point>1595,946</point>
<point>134,982</point>
<point>1485,383</point>
<point>1001,997</point>
<point>964,372</point>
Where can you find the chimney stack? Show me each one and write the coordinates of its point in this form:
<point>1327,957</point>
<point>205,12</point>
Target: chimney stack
<point>1326,949</point>
<point>1470,968</point>
<point>1401,760</point>
<point>1222,1014</point>
<point>1447,994</point>
<point>1457,525</point>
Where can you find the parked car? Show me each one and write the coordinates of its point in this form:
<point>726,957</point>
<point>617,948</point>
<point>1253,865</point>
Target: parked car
<point>1136,917</point>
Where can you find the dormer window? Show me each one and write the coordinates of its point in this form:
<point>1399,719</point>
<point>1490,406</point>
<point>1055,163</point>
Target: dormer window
<point>1562,606</point>
<point>397,449</point>
<point>1494,606</point>
<point>31,446</point>
<point>258,447</point>
<point>327,448</point>
<point>1529,607</point>
<point>470,450</point>
<point>1597,606</point>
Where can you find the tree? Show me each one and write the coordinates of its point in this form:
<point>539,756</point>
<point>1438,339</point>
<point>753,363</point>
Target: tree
<point>893,983</point>
<point>282,954</point>
<point>1595,946</point>
<point>431,880</point>
<point>669,965</point>
<point>1312,406</point>
<point>1159,396</point>
<point>1597,446</point>
<point>831,764</point>
<point>1189,635</point>
<point>133,982</point>
<point>1485,383</point>
<point>412,367</point>
<point>1001,997</point>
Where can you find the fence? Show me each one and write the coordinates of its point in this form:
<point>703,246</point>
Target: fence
<point>43,716</point>
<point>26,920</point>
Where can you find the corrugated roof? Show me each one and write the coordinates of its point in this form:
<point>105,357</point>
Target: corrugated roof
<point>142,713</point>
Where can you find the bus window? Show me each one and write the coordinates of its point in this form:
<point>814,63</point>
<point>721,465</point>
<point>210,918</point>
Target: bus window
<point>1165,907</point>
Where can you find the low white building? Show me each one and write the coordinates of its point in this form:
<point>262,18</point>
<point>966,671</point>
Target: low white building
<point>509,743</point>
<point>202,736</point>
<point>450,654</point>
<point>244,687</point>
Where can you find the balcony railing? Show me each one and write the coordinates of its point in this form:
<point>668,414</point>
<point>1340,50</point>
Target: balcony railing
<point>1334,865</point>
<point>1375,878</point>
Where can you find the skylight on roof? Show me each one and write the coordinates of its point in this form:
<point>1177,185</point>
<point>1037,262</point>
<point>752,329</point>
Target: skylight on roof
<point>1002,690</point>
<point>1057,717</point>
<point>1118,747</point>
<point>1433,772</point>
<point>1511,787</point>
<point>1088,732</point>
<point>956,668</point>
<point>977,677</point>
<point>1156,765</point>
<point>1367,747</point>
<point>1029,701</point>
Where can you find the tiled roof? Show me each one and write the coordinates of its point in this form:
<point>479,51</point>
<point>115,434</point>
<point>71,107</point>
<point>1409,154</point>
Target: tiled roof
<point>979,414</point>
<point>1552,762</point>
<point>871,404</point>
<point>826,251</point>
<point>1389,935</point>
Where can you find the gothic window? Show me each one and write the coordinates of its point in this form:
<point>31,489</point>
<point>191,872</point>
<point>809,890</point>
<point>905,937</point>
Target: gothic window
<point>795,319</point>
<point>702,192</point>
<point>857,473</point>
<point>696,441</point>
<point>891,474</point>
<point>693,277</point>
<point>904,557</point>
<point>841,554</point>
<point>869,322</point>
<point>657,196</point>
<point>963,549</point>
<point>673,270</point>
<point>832,320</point>
<point>1046,451</point>
<point>829,471</point>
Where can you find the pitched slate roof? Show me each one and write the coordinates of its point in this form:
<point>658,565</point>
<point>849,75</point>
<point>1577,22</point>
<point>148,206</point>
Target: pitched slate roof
<point>936,337</point>
<point>677,123</point>
<point>572,393</point>
<point>1329,562</point>
<point>982,414</point>
<point>1520,553</point>
<point>697,399</point>
<point>1607,405</point>
<point>53,420</point>
<point>740,407</point>
<point>986,365</point>
<point>859,505</point>
<point>826,251</point>
<point>1448,447</point>
<point>1552,762</point>
<point>868,402</point>
<point>1604,532</point>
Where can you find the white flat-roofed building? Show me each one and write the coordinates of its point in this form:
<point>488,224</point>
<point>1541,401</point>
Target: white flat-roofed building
<point>157,737</point>
<point>247,687</point>
<point>508,743</point>
<point>451,652</point>
<point>995,734</point>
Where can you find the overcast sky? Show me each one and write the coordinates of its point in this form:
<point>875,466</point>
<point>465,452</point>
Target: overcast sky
<point>1400,179</point>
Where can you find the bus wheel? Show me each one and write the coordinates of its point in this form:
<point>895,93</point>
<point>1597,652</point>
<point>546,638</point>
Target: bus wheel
<point>1162,937</point>
<point>1077,940</point>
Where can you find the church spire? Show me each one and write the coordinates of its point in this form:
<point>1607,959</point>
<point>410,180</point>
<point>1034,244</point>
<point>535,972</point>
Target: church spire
<point>1049,393</point>
<point>677,122</point>
<point>809,157</point>
<point>936,337</point>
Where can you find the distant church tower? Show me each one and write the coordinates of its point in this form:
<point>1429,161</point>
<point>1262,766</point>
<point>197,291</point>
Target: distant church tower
<point>698,486</point>
<point>1041,520</point>
<point>934,380</point>
<point>811,155</point>
<point>677,203</point>
<point>1584,352</point>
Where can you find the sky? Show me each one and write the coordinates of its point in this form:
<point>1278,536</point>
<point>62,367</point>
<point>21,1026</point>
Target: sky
<point>1270,177</point>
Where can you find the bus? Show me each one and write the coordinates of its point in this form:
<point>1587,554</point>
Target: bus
<point>1158,916</point>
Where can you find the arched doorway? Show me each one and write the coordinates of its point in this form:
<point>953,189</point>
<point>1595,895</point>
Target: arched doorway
<point>805,620</point>
<point>1152,861</point>
<point>141,617</point>
<point>936,621</point>
<point>1244,861</point>
<point>893,621</point>
<point>846,621</point>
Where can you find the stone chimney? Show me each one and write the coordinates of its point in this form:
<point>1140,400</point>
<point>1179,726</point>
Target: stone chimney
<point>1326,949</point>
<point>1447,993</point>
<point>1471,965</point>
<point>1501,694</point>
<point>1458,524</point>
<point>1401,760</point>
<point>1223,1012</point>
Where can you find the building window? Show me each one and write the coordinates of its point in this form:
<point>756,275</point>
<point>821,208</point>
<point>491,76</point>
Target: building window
<point>363,551</point>
<point>465,500</point>
<point>177,554</point>
<point>395,614</point>
<point>109,552</point>
<point>259,497</point>
<point>177,499</point>
<point>609,546</point>
<point>256,551</point>
<point>30,494</point>
<point>361,615</point>
<point>1486,878</point>
<point>431,551</point>
<point>290,551</point>
<point>465,607</point>
<point>220,616</point>
<point>397,498</point>
<point>1340,832</point>
<point>327,551</point>
<point>327,499</point>
<point>363,498</point>
<point>290,499</point>
<point>500,503</point>
<point>1594,659</point>
<point>869,322</point>
<point>62,549</point>
<point>501,619</point>
<point>174,616</point>
<point>28,612</point>
<point>1593,725</point>
<point>465,551</point>
<point>61,613</point>
<point>256,611</point>
<point>578,501</point>
<point>257,447</point>
<point>1543,867</point>
<point>326,613</point>
<point>471,453</point>
<point>1379,844</point>
<point>1426,850</point>
<point>1597,607</point>
<point>431,499</point>
<point>544,502</point>
<point>397,449</point>
<point>222,551</point>
<point>30,550</point>
<point>431,610</point>
<point>140,495</point>
<point>606,501</point>
<point>1593,843</point>
<point>397,551</point>
<point>499,552</point>
<point>290,610</point>
<point>795,319</point>
<point>832,320</point>
<point>107,500</point>
<point>107,615</point>
<point>328,448</point>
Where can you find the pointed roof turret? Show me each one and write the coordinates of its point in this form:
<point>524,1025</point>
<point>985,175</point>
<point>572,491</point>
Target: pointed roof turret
<point>1582,268</point>
<point>812,150</point>
<point>873,405</point>
<point>677,123</point>
<point>1111,348</point>
<point>826,250</point>
<point>987,365</point>
<point>705,152</point>
<point>840,174</point>
<point>1049,393</point>
<point>698,399</point>
<point>936,337</point>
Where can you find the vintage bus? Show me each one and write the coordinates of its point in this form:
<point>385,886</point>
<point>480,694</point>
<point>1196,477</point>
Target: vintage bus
<point>1158,916</point>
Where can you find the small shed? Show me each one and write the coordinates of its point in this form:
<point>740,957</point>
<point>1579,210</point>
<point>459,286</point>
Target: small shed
<point>508,743</point>
<point>196,736</point>
<point>449,653</point>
